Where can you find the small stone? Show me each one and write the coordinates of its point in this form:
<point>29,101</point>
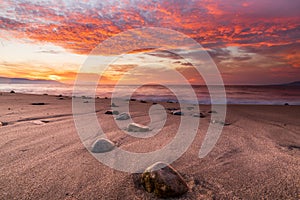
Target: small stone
<point>132,99</point>
<point>212,111</point>
<point>177,112</point>
<point>3,123</point>
<point>38,104</point>
<point>112,112</point>
<point>143,101</point>
<point>286,104</point>
<point>172,109</point>
<point>201,115</point>
<point>102,145</point>
<point>134,127</point>
<point>113,105</point>
<point>60,98</point>
<point>164,181</point>
<point>122,116</point>
<point>12,92</point>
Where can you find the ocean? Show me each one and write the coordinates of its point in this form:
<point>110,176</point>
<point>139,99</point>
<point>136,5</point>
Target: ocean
<point>258,95</point>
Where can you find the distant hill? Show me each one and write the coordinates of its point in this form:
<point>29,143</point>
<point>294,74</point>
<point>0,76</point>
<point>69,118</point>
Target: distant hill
<point>5,80</point>
<point>296,83</point>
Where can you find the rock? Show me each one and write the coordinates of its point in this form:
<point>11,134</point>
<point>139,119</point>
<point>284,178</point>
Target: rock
<point>60,95</point>
<point>12,92</point>
<point>105,97</point>
<point>177,112</point>
<point>60,98</point>
<point>201,115</point>
<point>134,127</point>
<point>38,104</point>
<point>113,105</point>
<point>164,181</point>
<point>102,145</point>
<point>132,99</point>
<point>143,101</point>
<point>154,103</point>
<point>122,116</point>
<point>212,111</point>
<point>286,104</point>
<point>3,124</point>
<point>112,112</point>
<point>220,122</point>
<point>190,108</point>
<point>172,109</point>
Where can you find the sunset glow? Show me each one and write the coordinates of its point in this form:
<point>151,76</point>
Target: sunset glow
<point>251,41</point>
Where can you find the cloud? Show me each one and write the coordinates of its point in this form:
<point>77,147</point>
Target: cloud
<point>262,34</point>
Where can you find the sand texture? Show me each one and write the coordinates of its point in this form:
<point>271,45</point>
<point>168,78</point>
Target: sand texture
<point>42,156</point>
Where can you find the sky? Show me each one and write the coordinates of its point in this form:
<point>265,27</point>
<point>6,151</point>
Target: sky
<point>250,41</point>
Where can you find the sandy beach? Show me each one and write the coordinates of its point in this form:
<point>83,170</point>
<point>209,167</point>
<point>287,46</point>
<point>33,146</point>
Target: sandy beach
<point>42,156</point>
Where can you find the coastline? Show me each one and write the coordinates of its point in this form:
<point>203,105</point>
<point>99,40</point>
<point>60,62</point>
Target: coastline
<point>257,155</point>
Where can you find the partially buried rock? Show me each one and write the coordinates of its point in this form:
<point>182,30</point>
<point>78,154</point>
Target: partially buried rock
<point>122,116</point>
<point>134,127</point>
<point>3,124</point>
<point>12,92</point>
<point>164,181</point>
<point>102,145</point>
<point>112,112</point>
<point>212,111</point>
<point>201,115</point>
<point>177,112</point>
<point>113,105</point>
<point>38,104</point>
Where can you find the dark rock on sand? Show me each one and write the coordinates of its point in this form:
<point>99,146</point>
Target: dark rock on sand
<point>220,122</point>
<point>286,104</point>
<point>172,109</point>
<point>164,181</point>
<point>212,111</point>
<point>38,104</point>
<point>102,145</point>
<point>132,99</point>
<point>190,108</point>
<point>3,124</point>
<point>113,105</point>
<point>12,92</point>
<point>201,115</point>
<point>122,116</point>
<point>134,127</point>
<point>112,112</point>
<point>143,101</point>
<point>177,112</point>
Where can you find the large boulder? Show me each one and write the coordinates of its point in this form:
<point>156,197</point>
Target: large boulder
<point>134,127</point>
<point>102,145</point>
<point>164,181</point>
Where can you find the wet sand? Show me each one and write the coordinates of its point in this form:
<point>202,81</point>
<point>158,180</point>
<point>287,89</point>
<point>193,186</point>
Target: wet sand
<point>42,156</point>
